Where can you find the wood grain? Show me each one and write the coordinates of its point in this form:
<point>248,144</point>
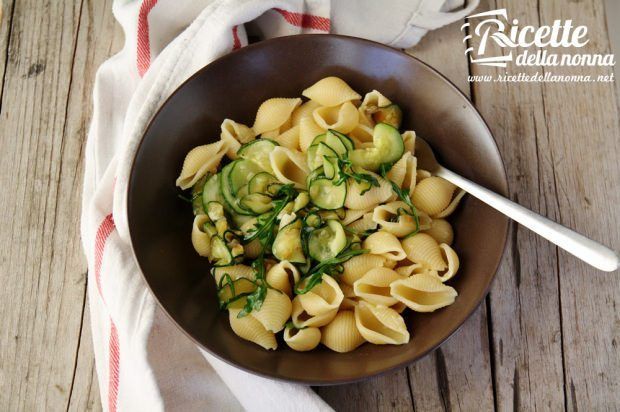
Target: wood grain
<point>555,320</point>
<point>46,101</point>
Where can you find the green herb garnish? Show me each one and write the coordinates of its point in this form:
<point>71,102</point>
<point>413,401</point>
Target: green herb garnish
<point>404,195</point>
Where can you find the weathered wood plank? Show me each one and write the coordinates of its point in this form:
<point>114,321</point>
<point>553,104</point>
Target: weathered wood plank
<point>6,20</point>
<point>554,320</point>
<point>45,111</point>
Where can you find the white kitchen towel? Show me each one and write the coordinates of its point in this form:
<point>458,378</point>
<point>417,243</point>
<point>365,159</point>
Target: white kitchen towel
<point>143,362</point>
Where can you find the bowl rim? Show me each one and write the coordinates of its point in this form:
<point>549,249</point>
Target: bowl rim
<point>504,191</point>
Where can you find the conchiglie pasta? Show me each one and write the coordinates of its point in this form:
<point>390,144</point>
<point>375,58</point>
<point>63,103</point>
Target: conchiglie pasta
<point>423,293</point>
<point>374,286</point>
<point>384,244</point>
<point>322,298</point>
<point>252,249</point>
<point>289,166</point>
<point>441,231</point>
<point>252,330</point>
<point>422,248</point>
<point>274,113</point>
<point>433,195</point>
<point>331,91</point>
<point>234,271</point>
<point>303,111</point>
<point>362,134</point>
<point>200,161</point>
<point>283,276</point>
<point>308,130</point>
<point>358,266</point>
<point>452,206</point>
<point>341,334</point>
<point>366,223</point>
<point>409,141</point>
<point>414,269</point>
<point>342,118</point>
<point>452,263</point>
<point>372,101</point>
<point>302,340</point>
<point>234,134</point>
<point>275,310</point>
<point>302,319</point>
<point>201,240</point>
<point>395,218</point>
<point>371,198</point>
<point>380,325</point>
<point>289,139</point>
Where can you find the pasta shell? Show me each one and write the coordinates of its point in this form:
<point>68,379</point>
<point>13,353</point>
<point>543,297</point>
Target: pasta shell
<point>302,319</point>
<point>423,249</point>
<point>341,334</point>
<point>342,118</point>
<point>289,166</point>
<point>441,231</point>
<point>252,249</point>
<point>239,287</point>
<point>283,276</point>
<point>199,161</point>
<point>380,325</point>
<point>234,271</point>
<point>372,101</point>
<point>274,113</point>
<point>363,224</point>
<point>452,206</point>
<point>347,290</point>
<point>348,303</point>
<point>371,198</point>
<point>250,329</point>
<point>238,131</point>
<point>358,266</point>
<point>414,269</point>
<point>423,293</point>
<point>331,91</point>
<point>324,297</point>
<point>275,311</point>
<point>374,286</point>
<point>362,133</point>
<point>432,195</point>
<point>394,218</point>
<point>385,244</point>
<point>271,134</point>
<point>200,239</point>
<point>351,215</point>
<point>289,139</point>
<point>303,111</point>
<point>422,174</point>
<point>409,141</point>
<point>452,260</point>
<point>302,340</point>
<point>308,130</point>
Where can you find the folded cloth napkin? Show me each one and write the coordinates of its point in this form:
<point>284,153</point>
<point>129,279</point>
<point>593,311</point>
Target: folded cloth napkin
<point>143,361</point>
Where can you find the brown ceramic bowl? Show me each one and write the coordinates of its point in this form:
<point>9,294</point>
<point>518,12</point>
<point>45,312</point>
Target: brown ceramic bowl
<point>233,87</point>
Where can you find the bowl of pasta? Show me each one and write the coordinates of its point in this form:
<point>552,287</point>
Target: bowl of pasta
<point>287,229</point>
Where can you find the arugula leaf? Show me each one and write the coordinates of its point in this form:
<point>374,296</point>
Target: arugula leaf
<point>404,195</point>
<point>330,267</point>
<point>346,171</point>
<point>263,230</point>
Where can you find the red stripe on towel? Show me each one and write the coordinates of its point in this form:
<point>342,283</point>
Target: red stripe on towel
<point>105,229</point>
<point>306,21</point>
<point>143,49</point>
<point>236,41</point>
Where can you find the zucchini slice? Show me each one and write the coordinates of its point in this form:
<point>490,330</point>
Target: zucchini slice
<point>258,151</point>
<point>241,173</point>
<point>316,154</point>
<point>197,206</point>
<point>257,203</point>
<point>220,254</point>
<point>211,191</point>
<point>387,147</point>
<point>346,141</point>
<point>287,244</point>
<point>260,182</point>
<point>231,201</point>
<point>390,114</point>
<point>326,195</point>
<point>327,242</point>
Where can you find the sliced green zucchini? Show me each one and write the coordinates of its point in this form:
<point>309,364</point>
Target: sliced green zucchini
<point>257,203</point>
<point>231,201</point>
<point>220,254</point>
<point>260,182</point>
<point>316,154</point>
<point>346,141</point>
<point>330,166</point>
<point>390,114</point>
<point>197,189</point>
<point>301,201</point>
<point>335,143</point>
<point>327,242</point>
<point>326,195</point>
<point>287,244</point>
<point>313,219</point>
<point>241,173</point>
<point>315,174</point>
<point>258,151</point>
<point>211,191</point>
<point>240,220</point>
<point>387,147</point>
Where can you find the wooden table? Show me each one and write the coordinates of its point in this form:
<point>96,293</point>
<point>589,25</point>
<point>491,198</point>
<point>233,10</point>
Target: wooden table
<point>547,337</point>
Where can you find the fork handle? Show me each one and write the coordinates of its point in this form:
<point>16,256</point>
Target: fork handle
<point>591,252</point>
